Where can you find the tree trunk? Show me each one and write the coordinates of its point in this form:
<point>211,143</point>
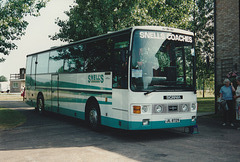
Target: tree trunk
<point>203,87</point>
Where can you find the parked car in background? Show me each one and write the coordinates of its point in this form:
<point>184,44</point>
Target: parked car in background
<point>4,87</point>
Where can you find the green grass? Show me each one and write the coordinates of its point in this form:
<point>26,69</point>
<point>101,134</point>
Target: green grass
<point>206,104</point>
<point>10,118</point>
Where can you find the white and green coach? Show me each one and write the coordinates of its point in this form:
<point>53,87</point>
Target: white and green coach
<point>136,79</point>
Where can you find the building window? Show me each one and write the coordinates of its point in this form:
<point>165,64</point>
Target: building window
<point>15,85</point>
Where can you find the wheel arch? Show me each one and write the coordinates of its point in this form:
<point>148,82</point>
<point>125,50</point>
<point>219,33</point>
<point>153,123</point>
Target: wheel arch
<point>40,94</point>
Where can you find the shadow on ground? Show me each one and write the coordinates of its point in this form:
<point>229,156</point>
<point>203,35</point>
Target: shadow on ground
<point>57,131</point>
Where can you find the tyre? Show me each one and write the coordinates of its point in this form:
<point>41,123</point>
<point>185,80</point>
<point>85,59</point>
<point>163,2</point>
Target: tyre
<point>94,117</point>
<point>40,104</point>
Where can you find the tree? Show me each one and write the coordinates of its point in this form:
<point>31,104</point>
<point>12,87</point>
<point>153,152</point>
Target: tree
<point>91,18</point>
<point>12,21</point>
<point>3,78</point>
<point>203,25</point>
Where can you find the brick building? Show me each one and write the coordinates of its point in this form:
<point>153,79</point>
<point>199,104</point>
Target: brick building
<point>227,38</point>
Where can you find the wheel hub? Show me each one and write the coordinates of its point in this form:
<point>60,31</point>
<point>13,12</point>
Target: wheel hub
<point>40,105</point>
<point>93,117</point>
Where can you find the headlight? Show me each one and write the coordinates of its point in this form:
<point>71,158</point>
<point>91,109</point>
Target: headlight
<point>158,109</point>
<point>145,109</point>
<point>194,106</point>
<point>184,108</point>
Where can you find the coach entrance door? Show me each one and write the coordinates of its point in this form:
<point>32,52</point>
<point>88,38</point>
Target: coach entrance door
<point>55,93</point>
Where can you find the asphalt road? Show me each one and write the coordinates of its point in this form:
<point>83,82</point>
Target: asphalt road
<point>58,138</point>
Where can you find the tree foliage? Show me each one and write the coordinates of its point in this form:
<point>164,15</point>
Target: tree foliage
<point>12,21</point>
<point>91,18</point>
<point>204,28</point>
<point>95,17</point>
<point>3,78</point>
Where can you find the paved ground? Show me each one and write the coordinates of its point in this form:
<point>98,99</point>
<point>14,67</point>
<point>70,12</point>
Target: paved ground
<point>10,97</point>
<point>58,138</point>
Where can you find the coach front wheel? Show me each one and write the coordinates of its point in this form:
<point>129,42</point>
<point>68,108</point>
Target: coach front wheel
<point>93,117</point>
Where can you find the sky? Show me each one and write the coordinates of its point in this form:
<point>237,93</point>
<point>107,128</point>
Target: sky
<point>36,38</point>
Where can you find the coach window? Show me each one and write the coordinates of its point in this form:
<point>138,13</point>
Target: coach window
<point>119,64</point>
<point>34,60</point>
<point>28,65</point>
<point>74,60</point>
<point>120,61</point>
<point>79,58</point>
<point>98,55</point>
<point>65,55</point>
<point>55,62</point>
<point>42,63</point>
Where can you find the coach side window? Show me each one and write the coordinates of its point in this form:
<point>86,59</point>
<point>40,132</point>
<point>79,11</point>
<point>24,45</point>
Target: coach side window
<point>74,59</point>
<point>42,63</point>
<point>34,61</point>
<point>28,71</point>
<point>120,61</point>
<point>28,65</point>
<point>119,66</point>
<point>55,62</point>
<point>98,55</point>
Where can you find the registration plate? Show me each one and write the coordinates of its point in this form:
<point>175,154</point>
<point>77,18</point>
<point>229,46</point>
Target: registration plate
<point>172,121</point>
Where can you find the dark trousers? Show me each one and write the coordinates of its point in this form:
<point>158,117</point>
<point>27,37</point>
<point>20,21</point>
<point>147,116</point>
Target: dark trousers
<point>228,114</point>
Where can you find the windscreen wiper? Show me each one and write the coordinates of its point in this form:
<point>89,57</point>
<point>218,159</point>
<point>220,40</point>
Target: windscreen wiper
<point>148,92</point>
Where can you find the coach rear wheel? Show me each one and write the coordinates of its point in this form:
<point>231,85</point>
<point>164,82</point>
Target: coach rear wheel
<point>40,104</point>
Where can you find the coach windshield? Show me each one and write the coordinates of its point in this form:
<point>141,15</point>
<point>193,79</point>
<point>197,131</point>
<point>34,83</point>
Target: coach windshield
<point>161,61</point>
